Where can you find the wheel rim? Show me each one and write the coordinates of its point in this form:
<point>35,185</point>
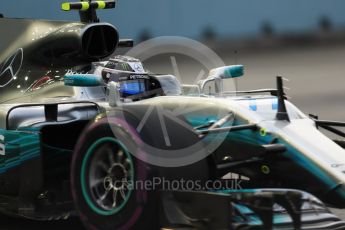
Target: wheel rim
<point>106,176</point>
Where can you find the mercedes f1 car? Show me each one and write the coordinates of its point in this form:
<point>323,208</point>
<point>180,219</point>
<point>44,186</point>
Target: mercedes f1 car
<point>80,127</point>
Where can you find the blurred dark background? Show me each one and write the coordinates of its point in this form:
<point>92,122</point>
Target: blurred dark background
<point>198,19</point>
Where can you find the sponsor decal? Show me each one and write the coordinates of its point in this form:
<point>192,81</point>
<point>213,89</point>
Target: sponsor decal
<point>135,77</point>
<point>137,67</point>
<point>71,72</point>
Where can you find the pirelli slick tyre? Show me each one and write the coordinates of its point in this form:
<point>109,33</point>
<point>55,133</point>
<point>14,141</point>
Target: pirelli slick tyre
<point>103,172</point>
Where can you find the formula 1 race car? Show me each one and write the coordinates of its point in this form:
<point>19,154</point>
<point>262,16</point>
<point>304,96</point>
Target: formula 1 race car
<point>85,132</point>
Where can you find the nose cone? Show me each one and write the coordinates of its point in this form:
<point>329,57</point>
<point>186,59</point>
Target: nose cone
<point>319,155</point>
<point>306,138</point>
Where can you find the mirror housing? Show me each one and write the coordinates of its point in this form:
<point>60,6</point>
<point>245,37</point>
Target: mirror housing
<point>82,80</point>
<point>225,72</point>
<point>219,74</point>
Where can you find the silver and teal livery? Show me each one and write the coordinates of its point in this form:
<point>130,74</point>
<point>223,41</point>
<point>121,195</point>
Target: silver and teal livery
<point>79,127</point>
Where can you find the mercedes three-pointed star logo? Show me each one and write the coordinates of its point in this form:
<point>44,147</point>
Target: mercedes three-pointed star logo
<point>11,67</point>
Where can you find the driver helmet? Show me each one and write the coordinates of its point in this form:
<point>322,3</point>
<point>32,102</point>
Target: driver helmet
<point>134,81</point>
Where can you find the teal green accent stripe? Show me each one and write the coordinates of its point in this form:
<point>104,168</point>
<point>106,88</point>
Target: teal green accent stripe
<point>33,151</point>
<point>238,191</point>
<point>234,71</point>
<point>20,146</point>
<point>21,139</point>
<point>10,165</point>
<point>82,80</point>
<point>57,150</point>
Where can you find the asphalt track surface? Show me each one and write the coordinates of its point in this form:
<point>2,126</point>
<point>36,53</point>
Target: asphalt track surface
<point>317,86</point>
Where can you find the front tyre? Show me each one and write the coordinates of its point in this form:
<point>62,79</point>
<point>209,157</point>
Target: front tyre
<point>103,175</point>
